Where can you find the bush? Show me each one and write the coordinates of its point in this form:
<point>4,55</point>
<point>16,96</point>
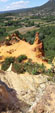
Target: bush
<point>30,36</point>
<point>2,31</point>
<point>4,66</point>
<point>42,67</point>
<point>18,68</point>
<point>9,60</point>
<point>31,67</point>
<point>38,25</point>
<point>35,71</point>
<point>18,34</point>
<point>7,63</point>
<point>21,58</point>
<point>42,36</point>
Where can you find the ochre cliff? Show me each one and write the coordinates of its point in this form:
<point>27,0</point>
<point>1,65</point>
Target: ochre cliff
<point>19,47</point>
<point>38,47</point>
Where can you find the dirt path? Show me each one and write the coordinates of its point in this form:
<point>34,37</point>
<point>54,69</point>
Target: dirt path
<point>23,30</point>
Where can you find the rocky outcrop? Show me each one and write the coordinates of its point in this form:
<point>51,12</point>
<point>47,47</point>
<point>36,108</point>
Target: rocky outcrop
<point>38,47</point>
<point>12,39</point>
<point>46,103</point>
<point>26,93</point>
<point>19,92</point>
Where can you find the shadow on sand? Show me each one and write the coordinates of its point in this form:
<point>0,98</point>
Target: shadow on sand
<point>14,104</point>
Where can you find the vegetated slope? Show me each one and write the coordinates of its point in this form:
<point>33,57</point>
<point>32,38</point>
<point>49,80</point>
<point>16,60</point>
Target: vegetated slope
<point>50,4</point>
<point>34,52</point>
<point>47,35</point>
<point>47,8</point>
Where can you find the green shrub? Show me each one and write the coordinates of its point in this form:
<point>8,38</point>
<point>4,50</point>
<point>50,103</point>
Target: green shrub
<point>35,71</point>
<point>21,58</point>
<point>30,36</point>
<point>4,66</point>
<point>18,68</point>
<point>49,72</point>
<point>18,34</point>
<point>31,67</point>
<point>41,68</point>
<point>38,25</point>
<point>9,60</point>
<point>7,63</point>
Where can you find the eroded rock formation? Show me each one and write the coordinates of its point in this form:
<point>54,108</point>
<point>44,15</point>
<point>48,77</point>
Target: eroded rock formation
<point>16,47</point>
<point>38,47</point>
<point>12,39</point>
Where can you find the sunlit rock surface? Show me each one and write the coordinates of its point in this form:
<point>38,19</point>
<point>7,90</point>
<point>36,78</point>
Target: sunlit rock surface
<point>25,93</point>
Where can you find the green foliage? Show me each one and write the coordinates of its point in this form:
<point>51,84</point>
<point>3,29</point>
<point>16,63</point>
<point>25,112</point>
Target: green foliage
<point>41,36</point>
<point>37,25</point>
<point>49,18</point>
<point>18,68</point>
<point>47,36</point>
<point>25,67</point>
<point>7,63</point>
<point>30,23</point>
<point>30,67</point>
<point>18,34</point>
<point>34,68</point>
<point>48,39</point>
<point>42,68</point>
<point>9,60</point>
<point>35,71</point>
<point>13,23</point>
<point>4,66</point>
<point>35,17</point>
<point>21,58</point>
<point>3,33</point>
<point>50,73</point>
<point>30,36</point>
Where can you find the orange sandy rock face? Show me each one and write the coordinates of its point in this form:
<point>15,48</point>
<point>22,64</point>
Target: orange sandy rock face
<point>12,39</point>
<point>38,47</point>
<point>34,52</point>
